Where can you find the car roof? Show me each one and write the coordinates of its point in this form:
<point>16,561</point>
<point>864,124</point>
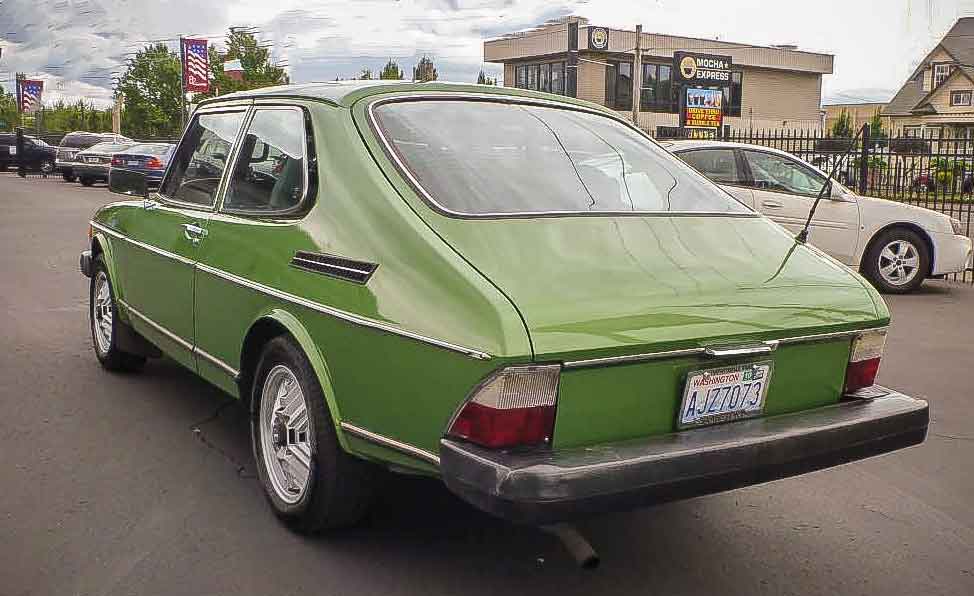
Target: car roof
<point>685,145</point>
<point>346,93</point>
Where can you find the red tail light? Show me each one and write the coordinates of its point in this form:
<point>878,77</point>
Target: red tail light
<point>153,163</point>
<point>117,161</point>
<point>514,407</point>
<point>867,352</point>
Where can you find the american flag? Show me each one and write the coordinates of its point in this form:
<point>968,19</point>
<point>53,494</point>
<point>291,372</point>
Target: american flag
<point>196,65</point>
<point>29,94</point>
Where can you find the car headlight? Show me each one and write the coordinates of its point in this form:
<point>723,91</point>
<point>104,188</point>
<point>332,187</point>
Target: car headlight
<point>957,226</point>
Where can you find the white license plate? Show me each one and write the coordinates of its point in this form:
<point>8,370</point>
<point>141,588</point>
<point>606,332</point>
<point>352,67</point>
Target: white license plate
<point>13,150</point>
<point>724,394</point>
<point>132,163</point>
<point>92,160</point>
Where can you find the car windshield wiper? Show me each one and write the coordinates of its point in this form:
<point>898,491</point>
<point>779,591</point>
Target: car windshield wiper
<point>826,187</point>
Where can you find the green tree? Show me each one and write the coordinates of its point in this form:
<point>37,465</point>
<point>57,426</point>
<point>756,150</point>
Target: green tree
<point>391,71</point>
<point>876,125</point>
<point>151,90</point>
<point>483,79</point>
<point>842,127</point>
<point>366,74</point>
<point>8,110</point>
<point>424,70</point>
<point>257,68</point>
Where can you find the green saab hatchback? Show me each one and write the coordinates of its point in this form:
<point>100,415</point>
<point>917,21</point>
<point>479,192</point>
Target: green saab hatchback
<point>518,293</point>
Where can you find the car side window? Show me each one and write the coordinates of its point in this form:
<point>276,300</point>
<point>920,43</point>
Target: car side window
<point>779,173</point>
<point>719,165</point>
<point>269,174</point>
<point>198,165</point>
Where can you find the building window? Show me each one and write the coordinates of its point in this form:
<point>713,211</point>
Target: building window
<point>656,94</point>
<point>911,131</point>
<point>960,98</point>
<point>733,95</point>
<point>618,85</point>
<point>558,78</point>
<point>548,77</point>
<point>940,73</point>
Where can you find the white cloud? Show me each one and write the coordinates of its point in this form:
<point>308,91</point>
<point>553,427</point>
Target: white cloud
<point>77,45</point>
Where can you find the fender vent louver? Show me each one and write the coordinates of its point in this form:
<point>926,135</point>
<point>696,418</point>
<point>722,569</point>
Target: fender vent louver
<point>340,267</point>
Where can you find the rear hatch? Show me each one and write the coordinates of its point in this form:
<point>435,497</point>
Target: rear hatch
<point>590,288</point>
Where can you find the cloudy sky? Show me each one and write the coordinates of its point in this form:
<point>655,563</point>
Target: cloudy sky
<point>77,45</point>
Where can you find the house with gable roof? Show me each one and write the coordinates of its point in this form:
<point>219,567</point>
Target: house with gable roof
<point>937,100</point>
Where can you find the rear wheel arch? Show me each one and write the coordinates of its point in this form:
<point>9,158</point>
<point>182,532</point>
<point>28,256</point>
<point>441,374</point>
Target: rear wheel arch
<point>273,324</point>
<point>905,226</point>
<point>101,246</point>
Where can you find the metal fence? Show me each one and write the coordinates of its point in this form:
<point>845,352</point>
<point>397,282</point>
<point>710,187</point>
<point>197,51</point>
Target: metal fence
<point>932,172</point>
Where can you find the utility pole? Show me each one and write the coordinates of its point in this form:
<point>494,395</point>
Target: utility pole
<point>637,75</point>
<point>182,85</point>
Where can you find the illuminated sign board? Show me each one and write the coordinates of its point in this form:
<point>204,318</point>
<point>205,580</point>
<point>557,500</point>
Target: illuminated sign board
<point>703,108</point>
<point>702,69</point>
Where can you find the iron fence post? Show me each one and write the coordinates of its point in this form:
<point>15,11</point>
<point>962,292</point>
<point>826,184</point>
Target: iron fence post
<point>864,160</point>
<point>21,164</point>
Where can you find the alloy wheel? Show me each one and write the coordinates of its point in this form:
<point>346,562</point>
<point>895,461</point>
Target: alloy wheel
<point>899,262</point>
<point>101,313</point>
<point>285,434</point>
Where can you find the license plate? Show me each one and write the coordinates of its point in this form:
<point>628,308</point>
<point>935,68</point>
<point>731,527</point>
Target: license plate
<point>132,163</point>
<point>92,160</point>
<point>13,150</point>
<point>724,394</point>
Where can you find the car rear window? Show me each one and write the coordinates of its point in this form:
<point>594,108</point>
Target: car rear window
<point>80,141</point>
<point>150,149</point>
<point>494,158</point>
<point>108,148</point>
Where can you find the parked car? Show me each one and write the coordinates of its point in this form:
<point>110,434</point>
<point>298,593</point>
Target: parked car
<point>522,295</point>
<point>92,164</point>
<point>894,245</point>
<point>150,159</point>
<point>74,142</point>
<point>38,155</point>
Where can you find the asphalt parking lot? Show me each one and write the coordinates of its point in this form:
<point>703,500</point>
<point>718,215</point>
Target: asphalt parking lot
<point>144,484</point>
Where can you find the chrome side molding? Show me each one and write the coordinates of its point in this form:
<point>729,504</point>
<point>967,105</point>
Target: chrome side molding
<point>384,441</point>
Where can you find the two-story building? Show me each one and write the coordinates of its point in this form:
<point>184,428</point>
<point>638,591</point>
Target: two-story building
<point>938,98</point>
<point>763,87</point>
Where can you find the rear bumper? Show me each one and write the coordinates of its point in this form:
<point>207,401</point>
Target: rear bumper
<point>560,485</point>
<point>98,172</point>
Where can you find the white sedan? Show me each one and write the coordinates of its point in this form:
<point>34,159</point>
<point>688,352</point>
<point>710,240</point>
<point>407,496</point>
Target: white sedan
<point>895,245</point>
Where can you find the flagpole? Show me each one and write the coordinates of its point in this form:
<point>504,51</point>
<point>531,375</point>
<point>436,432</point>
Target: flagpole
<point>182,85</point>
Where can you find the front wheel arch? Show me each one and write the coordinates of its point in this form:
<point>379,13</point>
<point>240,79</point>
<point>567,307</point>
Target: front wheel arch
<point>266,327</point>
<point>906,226</point>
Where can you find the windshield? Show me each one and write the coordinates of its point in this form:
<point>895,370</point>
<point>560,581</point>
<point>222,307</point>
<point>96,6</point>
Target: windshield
<point>107,148</point>
<point>484,158</point>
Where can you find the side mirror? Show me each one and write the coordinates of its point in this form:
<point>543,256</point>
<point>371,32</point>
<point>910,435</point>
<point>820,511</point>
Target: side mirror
<point>838,194</point>
<point>128,182</point>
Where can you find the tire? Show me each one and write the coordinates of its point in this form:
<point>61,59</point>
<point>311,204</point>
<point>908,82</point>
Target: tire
<point>86,181</point>
<point>335,489</point>
<point>69,177</point>
<point>897,261</point>
<point>105,326</point>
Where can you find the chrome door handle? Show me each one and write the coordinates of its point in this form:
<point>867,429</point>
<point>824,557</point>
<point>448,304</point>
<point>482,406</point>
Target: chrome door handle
<point>194,233</point>
<point>771,204</point>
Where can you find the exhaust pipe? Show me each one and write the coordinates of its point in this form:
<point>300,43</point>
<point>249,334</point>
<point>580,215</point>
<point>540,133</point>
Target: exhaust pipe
<point>576,544</point>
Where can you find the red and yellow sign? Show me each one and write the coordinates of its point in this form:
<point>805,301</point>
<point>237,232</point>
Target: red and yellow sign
<point>704,108</point>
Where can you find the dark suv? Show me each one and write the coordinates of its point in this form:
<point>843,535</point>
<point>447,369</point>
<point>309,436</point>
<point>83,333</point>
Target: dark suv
<point>38,155</point>
<point>73,142</point>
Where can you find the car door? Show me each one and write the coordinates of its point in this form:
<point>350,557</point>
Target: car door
<point>166,233</point>
<point>253,237</point>
<point>722,165</point>
<point>785,189</point>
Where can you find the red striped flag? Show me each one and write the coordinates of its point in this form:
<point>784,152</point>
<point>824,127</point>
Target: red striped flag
<point>196,65</point>
<point>29,94</point>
